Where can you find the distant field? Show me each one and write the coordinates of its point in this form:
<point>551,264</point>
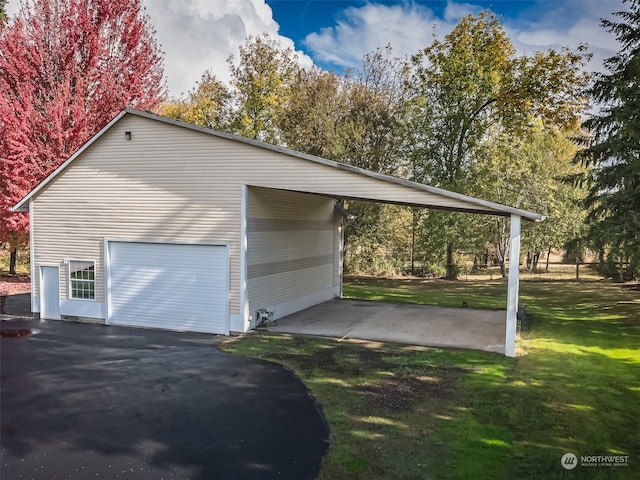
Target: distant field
<point>557,271</point>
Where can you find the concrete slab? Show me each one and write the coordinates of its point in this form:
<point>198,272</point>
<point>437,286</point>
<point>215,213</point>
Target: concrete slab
<point>425,325</point>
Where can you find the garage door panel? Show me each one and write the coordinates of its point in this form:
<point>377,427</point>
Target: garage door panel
<point>173,286</point>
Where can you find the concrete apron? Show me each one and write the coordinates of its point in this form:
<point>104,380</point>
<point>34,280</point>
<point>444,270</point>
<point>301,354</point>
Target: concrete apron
<point>423,325</point>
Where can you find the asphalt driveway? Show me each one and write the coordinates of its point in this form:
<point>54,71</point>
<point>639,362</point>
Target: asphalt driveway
<point>90,401</point>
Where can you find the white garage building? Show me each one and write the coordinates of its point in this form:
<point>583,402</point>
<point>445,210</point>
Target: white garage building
<point>158,223</point>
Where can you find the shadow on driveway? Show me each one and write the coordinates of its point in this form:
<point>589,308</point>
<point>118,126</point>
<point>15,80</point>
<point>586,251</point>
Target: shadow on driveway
<point>94,401</point>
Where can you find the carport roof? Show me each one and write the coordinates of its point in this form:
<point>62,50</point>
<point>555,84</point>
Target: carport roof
<point>431,197</point>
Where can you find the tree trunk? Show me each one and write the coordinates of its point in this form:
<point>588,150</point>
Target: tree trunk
<point>577,271</point>
<point>534,263</point>
<point>12,261</point>
<point>502,246</point>
<point>621,271</point>
<point>503,268</point>
<point>546,269</point>
<point>601,258</point>
<point>451,268</point>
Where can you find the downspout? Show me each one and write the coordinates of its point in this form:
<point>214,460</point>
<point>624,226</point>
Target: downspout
<point>35,303</point>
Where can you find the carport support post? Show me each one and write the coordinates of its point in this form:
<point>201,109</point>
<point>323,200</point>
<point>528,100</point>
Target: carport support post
<point>513,286</point>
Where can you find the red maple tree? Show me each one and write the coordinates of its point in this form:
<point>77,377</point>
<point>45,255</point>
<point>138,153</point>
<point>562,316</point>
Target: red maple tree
<point>67,67</point>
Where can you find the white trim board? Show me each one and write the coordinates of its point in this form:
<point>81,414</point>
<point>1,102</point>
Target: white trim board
<point>240,323</point>
<point>83,308</point>
<point>35,301</point>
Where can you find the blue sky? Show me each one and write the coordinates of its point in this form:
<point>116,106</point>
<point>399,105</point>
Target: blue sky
<point>337,33</point>
<point>299,19</point>
<point>197,35</point>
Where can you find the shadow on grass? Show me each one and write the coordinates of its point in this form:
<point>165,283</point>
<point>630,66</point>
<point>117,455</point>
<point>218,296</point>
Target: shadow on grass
<point>411,412</point>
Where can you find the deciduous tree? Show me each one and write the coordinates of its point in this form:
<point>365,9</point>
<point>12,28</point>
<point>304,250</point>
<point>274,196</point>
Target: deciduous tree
<point>472,86</point>
<point>3,12</point>
<point>207,105</point>
<point>261,76</point>
<point>66,68</point>
<point>375,121</point>
<point>529,172</point>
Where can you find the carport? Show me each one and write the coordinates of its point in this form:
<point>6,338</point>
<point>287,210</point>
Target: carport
<point>376,187</point>
<point>426,325</point>
<point>426,196</point>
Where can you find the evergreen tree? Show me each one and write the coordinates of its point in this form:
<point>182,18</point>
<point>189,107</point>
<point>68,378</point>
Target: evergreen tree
<point>613,147</point>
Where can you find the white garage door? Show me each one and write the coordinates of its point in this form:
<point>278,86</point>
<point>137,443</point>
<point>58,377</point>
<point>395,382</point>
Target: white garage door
<point>173,286</point>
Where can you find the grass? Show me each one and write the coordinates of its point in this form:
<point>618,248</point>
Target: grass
<point>403,412</point>
<point>485,294</point>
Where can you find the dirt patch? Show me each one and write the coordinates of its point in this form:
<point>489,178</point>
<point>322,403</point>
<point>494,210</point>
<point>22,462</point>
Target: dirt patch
<point>340,360</point>
<point>395,389</point>
<point>373,358</point>
<point>322,359</point>
<point>403,392</point>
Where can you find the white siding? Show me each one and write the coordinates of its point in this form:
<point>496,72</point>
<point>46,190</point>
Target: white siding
<point>291,246</point>
<point>179,184</point>
<point>166,183</point>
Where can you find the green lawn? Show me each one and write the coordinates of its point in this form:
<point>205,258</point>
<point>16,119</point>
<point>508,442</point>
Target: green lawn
<point>401,412</point>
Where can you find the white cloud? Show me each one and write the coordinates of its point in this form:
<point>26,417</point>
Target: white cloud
<point>409,27</point>
<point>569,24</point>
<point>360,30</point>
<point>454,11</point>
<point>197,35</point>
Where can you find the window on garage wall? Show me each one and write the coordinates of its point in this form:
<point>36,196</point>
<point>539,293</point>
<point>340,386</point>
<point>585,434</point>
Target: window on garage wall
<point>82,279</point>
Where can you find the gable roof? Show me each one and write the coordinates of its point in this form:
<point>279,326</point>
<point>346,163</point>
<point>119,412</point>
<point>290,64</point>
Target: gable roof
<point>458,202</point>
